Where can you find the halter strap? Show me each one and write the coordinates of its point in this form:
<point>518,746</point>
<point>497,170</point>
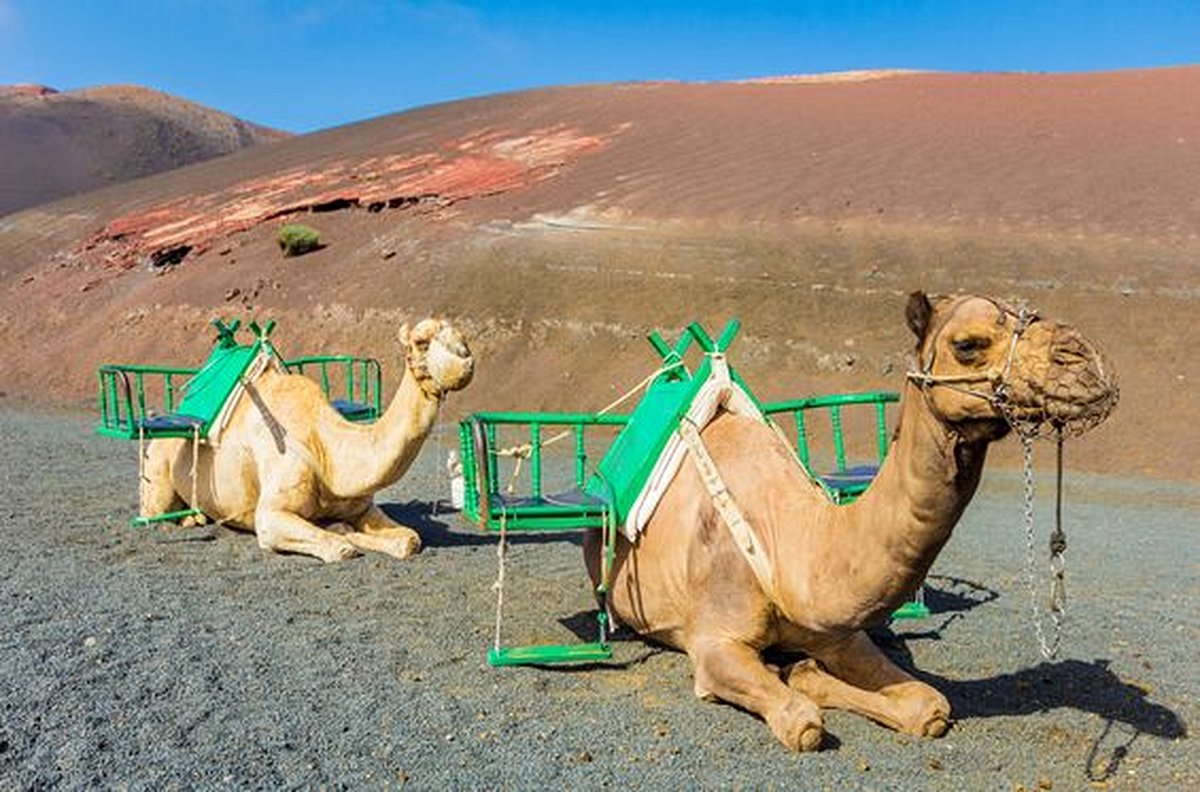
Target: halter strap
<point>996,377</point>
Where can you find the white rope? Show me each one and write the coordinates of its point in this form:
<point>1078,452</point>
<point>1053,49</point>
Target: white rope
<point>195,462</point>
<point>498,586</point>
<point>142,481</point>
<point>523,450</point>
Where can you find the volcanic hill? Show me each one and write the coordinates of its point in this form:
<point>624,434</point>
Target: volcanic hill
<point>56,144</point>
<point>559,226</point>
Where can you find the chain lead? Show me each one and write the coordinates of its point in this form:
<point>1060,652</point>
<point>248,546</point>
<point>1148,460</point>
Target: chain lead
<point>1058,599</point>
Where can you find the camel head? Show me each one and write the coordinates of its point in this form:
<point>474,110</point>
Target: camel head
<point>986,367</point>
<point>438,357</point>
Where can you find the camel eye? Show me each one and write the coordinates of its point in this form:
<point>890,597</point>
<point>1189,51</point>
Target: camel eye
<point>968,348</point>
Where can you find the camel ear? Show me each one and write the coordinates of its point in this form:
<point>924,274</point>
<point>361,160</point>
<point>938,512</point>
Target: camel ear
<point>403,334</point>
<point>918,313</point>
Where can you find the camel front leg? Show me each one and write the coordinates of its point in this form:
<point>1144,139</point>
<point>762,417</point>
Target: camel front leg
<point>287,532</point>
<point>378,532</point>
<point>857,676</point>
<point>734,672</point>
<point>156,488</point>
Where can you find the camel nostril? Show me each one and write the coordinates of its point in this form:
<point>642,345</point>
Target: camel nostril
<point>1066,357</point>
<point>1070,350</point>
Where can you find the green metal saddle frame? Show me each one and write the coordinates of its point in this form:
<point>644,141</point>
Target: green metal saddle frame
<point>188,396</point>
<point>601,499</point>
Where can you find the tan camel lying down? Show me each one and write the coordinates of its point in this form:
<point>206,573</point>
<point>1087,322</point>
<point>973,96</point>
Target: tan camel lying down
<point>287,464</point>
<point>836,570</point>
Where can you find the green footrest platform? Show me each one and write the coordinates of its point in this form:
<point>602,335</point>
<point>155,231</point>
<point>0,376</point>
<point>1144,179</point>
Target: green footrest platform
<point>174,516</point>
<point>549,654</point>
<point>911,610</point>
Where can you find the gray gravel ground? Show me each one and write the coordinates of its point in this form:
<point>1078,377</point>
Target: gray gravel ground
<point>136,658</point>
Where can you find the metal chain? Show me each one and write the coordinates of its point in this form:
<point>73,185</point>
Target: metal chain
<point>1058,600</point>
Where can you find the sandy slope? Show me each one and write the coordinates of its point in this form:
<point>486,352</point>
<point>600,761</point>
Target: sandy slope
<point>807,209</point>
<point>54,144</point>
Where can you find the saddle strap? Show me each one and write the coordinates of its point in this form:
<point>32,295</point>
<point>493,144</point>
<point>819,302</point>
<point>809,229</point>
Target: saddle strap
<point>731,514</point>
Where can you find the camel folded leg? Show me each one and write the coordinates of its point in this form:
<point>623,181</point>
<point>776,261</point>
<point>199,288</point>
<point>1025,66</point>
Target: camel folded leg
<point>286,532</point>
<point>857,676</point>
<point>378,532</point>
<point>735,673</point>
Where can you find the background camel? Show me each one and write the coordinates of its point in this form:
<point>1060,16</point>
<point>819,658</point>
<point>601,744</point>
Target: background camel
<point>836,570</point>
<point>289,468</point>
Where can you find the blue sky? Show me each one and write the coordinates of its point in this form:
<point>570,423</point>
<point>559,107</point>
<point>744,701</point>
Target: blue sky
<point>303,65</point>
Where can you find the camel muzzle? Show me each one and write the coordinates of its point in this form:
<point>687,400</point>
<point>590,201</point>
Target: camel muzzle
<point>1072,389</point>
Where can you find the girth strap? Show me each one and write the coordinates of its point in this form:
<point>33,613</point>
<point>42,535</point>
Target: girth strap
<point>743,535</point>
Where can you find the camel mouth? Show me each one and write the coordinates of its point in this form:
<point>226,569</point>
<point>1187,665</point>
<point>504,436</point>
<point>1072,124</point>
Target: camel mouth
<point>1070,411</point>
<point>452,370</point>
<point>1071,388</point>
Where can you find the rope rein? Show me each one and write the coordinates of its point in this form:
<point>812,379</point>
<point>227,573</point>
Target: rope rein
<point>498,586</point>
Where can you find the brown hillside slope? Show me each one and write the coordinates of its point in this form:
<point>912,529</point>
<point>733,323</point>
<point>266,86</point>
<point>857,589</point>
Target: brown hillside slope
<point>55,144</point>
<point>561,225</point>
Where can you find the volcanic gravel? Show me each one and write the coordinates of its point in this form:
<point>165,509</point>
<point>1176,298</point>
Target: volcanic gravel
<point>150,658</point>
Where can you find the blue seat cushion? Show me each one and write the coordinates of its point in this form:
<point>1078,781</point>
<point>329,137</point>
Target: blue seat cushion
<point>170,423</point>
<point>353,411</point>
<point>855,477</point>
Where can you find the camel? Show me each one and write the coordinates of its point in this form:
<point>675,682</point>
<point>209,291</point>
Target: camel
<point>289,468</point>
<point>834,571</point>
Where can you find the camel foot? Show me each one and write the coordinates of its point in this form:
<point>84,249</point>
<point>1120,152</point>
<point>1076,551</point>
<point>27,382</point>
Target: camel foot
<point>924,711</point>
<point>396,542</point>
<point>404,544</point>
<point>338,551</point>
<point>936,727</point>
<point>798,725</point>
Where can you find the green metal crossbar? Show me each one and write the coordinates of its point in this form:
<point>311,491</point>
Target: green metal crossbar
<point>550,654</point>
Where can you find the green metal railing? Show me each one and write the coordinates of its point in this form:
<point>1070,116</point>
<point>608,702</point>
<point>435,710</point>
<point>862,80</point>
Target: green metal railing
<point>484,500</point>
<point>130,394</point>
<point>842,483</point>
<point>360,397</point>
<point>122,397</point>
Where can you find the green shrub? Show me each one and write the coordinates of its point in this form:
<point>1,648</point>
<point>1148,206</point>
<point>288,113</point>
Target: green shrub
<point>296,239</point>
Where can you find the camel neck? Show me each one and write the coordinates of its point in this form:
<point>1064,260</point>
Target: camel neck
<point>374,456</point>
<point>904,519</point>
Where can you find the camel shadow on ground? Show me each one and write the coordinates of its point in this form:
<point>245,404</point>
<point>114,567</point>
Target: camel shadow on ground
<point>1090,687</point>
<point>441,525</point>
